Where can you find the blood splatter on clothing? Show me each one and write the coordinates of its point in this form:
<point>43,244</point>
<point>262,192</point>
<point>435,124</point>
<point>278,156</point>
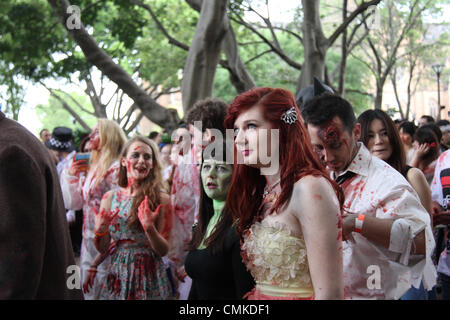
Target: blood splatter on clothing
<point>380,191</point>
<point>82,192</point>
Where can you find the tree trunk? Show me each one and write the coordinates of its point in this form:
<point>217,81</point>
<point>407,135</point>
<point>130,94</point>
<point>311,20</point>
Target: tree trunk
<point>98,57</point>
<point>239,75</point>
<point>343,64</point>
<point>315,45</point>
<point>204,53</point>
<point>379,95</point>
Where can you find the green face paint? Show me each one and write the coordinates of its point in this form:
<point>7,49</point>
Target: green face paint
<point>216,178</point>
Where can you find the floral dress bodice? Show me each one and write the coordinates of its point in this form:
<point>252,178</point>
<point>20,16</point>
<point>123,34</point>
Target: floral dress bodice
<point>276,259</point>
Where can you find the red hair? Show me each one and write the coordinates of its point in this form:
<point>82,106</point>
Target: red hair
<point>297,158</point>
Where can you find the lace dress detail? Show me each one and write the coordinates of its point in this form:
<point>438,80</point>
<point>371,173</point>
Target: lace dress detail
<point>277,261</point>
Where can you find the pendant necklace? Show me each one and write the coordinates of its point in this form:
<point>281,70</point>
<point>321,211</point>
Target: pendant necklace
<point>268,189</point>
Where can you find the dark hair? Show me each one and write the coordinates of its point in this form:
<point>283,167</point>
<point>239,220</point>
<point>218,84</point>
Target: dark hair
<point>429,119</point>
<point>211,113</point>
<point>426,134</point>
<point>325,107</point>
<point>397,160</point>
<point>83,143</point>
<point>408,127</point>
<point>437,131</point>
<point>216,239</point>
<point>442,123</point>
<point>40,132</point>
<point>296,156</point>
<point>153,135</point>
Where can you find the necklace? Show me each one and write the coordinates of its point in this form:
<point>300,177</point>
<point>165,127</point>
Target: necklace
<point>268,189</point>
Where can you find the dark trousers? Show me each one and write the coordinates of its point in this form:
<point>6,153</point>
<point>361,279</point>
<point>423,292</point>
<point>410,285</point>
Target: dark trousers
<point>76,232</point>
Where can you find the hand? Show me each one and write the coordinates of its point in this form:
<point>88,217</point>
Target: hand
<point>436,208</point>
<point>87,285</point>
<point>422,150</point>
<point>77,166</point>
<point>348,225</point>
<point>147,217</point>
<point>181,274</point>
<point>103,219</point>
<point>441,218</point>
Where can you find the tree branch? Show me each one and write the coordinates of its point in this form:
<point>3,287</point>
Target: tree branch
<point>171,39</point>
<point>98,57</point>
<point>66,106</point>
<point>361,8</point>
<point>274,48</point>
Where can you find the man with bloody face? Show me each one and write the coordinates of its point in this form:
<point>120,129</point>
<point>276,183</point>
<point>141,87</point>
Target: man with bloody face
<point>388,241</point>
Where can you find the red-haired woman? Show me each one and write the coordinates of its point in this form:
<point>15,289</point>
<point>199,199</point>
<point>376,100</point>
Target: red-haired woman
<point>288,209</point>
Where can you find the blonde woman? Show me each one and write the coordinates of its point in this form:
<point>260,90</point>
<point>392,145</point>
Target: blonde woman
<point>84,190</point>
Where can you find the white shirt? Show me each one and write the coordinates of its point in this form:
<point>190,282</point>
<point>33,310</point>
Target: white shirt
<point>370,270</point>
<point>441,194</point>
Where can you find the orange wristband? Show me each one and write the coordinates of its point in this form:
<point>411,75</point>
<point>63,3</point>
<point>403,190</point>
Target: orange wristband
<point>100,234</point>
<point>359,223</point>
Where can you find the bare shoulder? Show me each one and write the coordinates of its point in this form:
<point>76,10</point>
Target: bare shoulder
<point>310,185</point>
<point>415,175</point>
<point>313,194</point>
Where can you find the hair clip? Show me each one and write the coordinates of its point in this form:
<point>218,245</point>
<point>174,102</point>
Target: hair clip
<point>290,116</point>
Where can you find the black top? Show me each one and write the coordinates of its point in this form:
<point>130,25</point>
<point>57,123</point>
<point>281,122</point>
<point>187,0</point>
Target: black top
<point>220,276</point>
<point>405,171</point>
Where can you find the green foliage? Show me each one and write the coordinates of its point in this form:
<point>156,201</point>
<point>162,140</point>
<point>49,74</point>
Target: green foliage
<point>35,46</point>
<point>11,93</point>
<point>54,115</point>
<point>267,69</point>
<point>160,61</point>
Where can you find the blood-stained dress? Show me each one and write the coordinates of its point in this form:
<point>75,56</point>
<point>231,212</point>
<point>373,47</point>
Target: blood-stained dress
<point>136,271</point>
<point>82,192</point>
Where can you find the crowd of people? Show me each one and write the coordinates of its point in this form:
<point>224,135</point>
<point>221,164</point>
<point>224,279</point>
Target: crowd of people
<point>270,197</point>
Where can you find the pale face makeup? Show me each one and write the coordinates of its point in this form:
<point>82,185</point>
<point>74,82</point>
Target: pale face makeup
<point>95,138</point>
<point>253,137</point>
<point>378,143</point>
<point>139,161</point>
<point>216,178</point>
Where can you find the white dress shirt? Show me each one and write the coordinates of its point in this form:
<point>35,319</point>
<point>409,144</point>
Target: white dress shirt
<point>372,271</point>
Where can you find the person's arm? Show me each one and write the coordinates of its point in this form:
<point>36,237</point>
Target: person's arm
<point>374,229</point>
<point>153,224</point>
<point>71,185</point>
<point>442,217</point>
<point>102,220</point>
<point>417,180</point>
<point>23,210</point>
<point>379,230</point>
<point>315,204</point>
